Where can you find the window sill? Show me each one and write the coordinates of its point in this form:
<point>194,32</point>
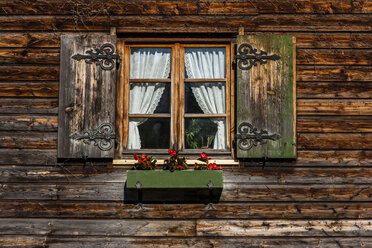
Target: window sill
<point>189,161</point>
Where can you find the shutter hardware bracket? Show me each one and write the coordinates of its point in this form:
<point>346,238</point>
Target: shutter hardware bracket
<point>248,54</point>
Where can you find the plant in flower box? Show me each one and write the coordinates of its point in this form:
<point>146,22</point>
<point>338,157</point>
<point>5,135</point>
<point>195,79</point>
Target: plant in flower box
<point>205,165</point>
<point>144,162</point>
<point>175,162</point>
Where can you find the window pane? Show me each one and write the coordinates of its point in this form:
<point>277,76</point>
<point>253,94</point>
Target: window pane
<point>149,133</point>
<point>149,98</point>
<point>203,133</point>
<point>146,63</point>
<point>207,62</point>
<point>207,98</point>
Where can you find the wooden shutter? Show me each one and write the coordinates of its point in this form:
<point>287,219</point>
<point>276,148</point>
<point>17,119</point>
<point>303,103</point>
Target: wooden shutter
<point>265,97</point>
<point>86,117</point>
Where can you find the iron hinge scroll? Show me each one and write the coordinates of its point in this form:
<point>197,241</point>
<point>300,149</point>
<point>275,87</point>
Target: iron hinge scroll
<point>104,56</point>
<point>249,57</point>
<point>103,136</point>
<point>249,136</point>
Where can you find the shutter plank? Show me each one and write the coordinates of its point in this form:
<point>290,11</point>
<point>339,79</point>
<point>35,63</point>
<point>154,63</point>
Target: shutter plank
<point>87,96</point>
<point>265,97</point>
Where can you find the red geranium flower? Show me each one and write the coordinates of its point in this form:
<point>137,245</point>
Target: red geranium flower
<point>180,166</point>
<point>203,155</point>
<point>172,152</point>
<point>135,156</point>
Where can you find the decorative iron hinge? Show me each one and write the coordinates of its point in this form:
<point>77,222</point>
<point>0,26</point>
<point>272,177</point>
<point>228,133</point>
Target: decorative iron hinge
<point>248,54</point>
<point>104,56</point>
<point>103,136</point>
<point>248,136</point>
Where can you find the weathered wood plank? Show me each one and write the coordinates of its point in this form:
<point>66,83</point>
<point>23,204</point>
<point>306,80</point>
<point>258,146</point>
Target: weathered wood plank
<point>28,140</point>
<point>27,73</point>
<point>322,228</point>
<point>28,157</point>
<point>28,123</point>
<point>29,89</point>
<point>334,73</point>
<point>195,23</point>
<point>249,175</point>
<point>118,210</point>
<point>28,40</point>
<point>334,107</point>
<point>336,158</point>
<point>340,40</point>
<point>232,192</point>
<point>334,124</point>
<point>334,57</point>
<point>329,141</point>
<point>334,90</point>
<point>180,242</point>
<point>29,56</point>
<point>28,106</point>
<point>97,227</point>
<point>183,8</point>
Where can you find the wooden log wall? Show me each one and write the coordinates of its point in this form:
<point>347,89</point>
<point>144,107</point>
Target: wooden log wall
<point>321,199</point>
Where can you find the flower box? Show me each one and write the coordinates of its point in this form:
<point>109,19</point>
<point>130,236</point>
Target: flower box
<point>185,179</point>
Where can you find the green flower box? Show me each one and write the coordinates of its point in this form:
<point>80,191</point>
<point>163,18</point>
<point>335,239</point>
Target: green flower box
<point>183,179</point>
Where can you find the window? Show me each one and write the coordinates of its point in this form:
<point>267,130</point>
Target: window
<point>176,96</point>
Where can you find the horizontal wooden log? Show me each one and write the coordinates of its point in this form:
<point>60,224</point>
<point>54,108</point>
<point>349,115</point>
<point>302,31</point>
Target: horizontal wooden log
<point>117,210</point>
<point>322,228</point>
<point>334,73</point>
<point>28,106</point>
<point>28,40</point>
<point>334,124</point>
<point>329,141</point>
<point>28,140</point>
<point>249,175</point>
<point>318,40</point>
<point>192,23</point>
<point>26,73</point>
<point>335,158</point>
<point>232,192</point>
<point>29,56</point>
<point>183,8</point>
<point>28,123</point>
<point>97,227</point>
<point>334,90</point>
<point>36,89</point>
<point>333,57</point>
<point>28,157</point>
<point>334,107</point>
<point>179,242</point>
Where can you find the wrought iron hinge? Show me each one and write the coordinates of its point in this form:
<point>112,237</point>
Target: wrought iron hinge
<point>248,136</point>
<point>249,57</point>
<point>104,56</point>
<point>103,136</point>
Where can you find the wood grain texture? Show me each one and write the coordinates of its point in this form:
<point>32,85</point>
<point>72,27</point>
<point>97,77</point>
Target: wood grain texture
<point>28,40</point>
<point>334,124</point>
<point>334,107</point>
<point>29,56</point>
<point>339,90</point>
<point>28,123</point>
<point>334,57</point>
<point>334,141</point>
<point>28,140</point>
<point>151,7</point>
<point>28,157</point>
<point>338,40</point>
<point>28,106</point>
<point>86,98</point>
<point>335,158</point>
<point>29,89</point>
<point>28,72</point>
<point>180,242</point>
<point>334,73</point>
<point>195,23</point>
<point>118,210</point>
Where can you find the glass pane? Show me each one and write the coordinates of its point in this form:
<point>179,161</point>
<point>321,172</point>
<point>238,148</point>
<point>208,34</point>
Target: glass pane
<point>154,133</point>
<point>204,133</point>
<point>205,62</point>
<point>149,98</point>
<point>146,63</point>
<point>207,98</point>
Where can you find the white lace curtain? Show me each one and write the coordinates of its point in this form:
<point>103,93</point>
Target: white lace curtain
<point>146,63</point>
<point>209,63</point>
